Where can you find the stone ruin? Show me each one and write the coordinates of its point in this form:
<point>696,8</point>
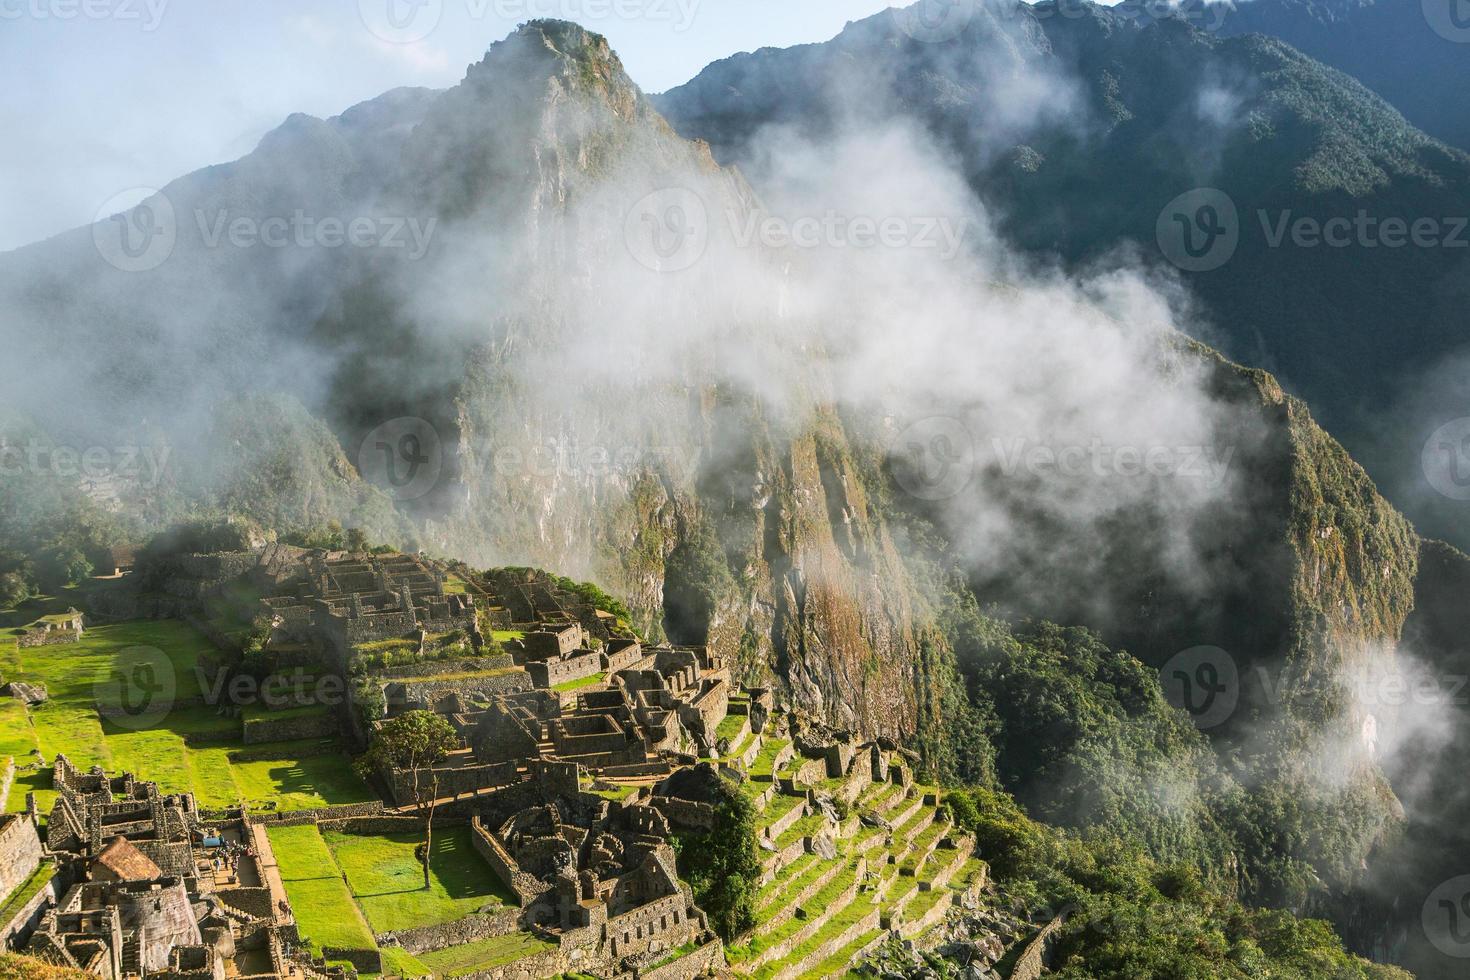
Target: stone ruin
<point>334,604</point>
<point>138,893</point>
<point>657,710</point>
<point>597,877</point>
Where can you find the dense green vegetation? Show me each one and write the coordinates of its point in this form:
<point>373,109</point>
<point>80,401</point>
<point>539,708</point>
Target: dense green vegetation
<point>1129,916</point>
<point>696,578</point>
<point>722,866</point>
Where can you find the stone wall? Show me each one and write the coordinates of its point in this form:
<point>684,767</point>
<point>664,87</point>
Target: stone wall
<point>469,929</point>
<point>28,915</point>
<point>1032,962</point>
<point>620,655</point>
<point>256,902</point>
<point>688,814</point>
<point>7,782</point>
<point>365,960</point>
<point>456,665</point>
<point>429,690</point>
<point>663,924</point>
<point>706,959</point>
<point>290,817</point>
<point>451,782</point>
<point>385,824</point>
<point>526,887</point>
<point>20,851</point>
<point>47,638</point>
<point>549,673</point>
<point>548,964</point>
<point>290,729</point>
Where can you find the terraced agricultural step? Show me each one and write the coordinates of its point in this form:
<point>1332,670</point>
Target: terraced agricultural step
<point>944,864</point>
<point>905,834</point>
<point>854,920</point>
<point>875,795</point>
<point>838,894</point>
<point>805,887</point>
<point>900,817</point>
<point>780,814</point>
<point>840,962</point>
<point>893,800</point>
<point>921,847</point>
<point>923,909</point>
<point>771,890</point>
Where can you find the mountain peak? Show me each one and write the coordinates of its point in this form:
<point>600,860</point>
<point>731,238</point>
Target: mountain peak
<point>579,61</point>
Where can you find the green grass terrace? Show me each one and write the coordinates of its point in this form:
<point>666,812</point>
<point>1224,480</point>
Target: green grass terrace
<point>156,725</point>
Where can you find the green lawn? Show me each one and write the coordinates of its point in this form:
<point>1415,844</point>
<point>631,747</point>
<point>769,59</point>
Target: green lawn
<point>388,881</point>
<point>730,726</point>
<point>150,743</point>
<point>26,891</point>
<point>483,955</point>
<point>577,685</point>
<point>319,897</point>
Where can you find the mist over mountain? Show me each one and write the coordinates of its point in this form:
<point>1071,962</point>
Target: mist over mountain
<point>1090,133</point>
<point>857,393</point>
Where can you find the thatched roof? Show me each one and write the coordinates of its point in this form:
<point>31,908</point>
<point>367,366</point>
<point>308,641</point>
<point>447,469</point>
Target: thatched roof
<point>126,862</point>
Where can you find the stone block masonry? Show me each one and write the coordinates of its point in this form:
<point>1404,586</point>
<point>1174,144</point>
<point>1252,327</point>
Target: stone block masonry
<point>20,851</point>
<point>469,929</point>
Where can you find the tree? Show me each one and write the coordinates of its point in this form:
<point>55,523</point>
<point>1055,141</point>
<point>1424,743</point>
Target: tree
<point>14,589</point>
<point>357,539</point>
<point>722,866</point>
<point>414,741</point>
<point>62,566</point>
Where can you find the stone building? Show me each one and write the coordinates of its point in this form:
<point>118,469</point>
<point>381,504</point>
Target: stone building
<point>139,892</point>
<point>597,876</point>
<point>336,604</point>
